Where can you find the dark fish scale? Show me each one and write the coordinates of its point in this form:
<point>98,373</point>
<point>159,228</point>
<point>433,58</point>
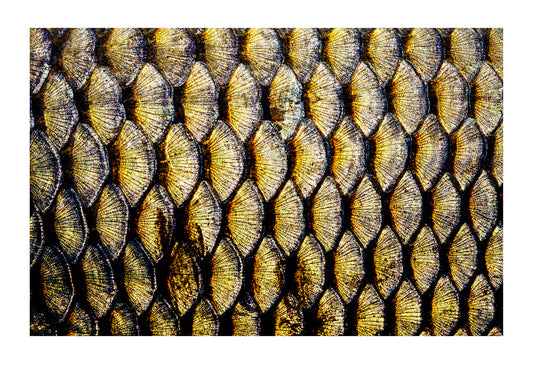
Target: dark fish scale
<point>267,181</point>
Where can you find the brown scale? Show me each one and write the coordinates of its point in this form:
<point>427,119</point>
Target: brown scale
<point>78,56</point>
<point>173,51</point>
<point>152,104</point>
<point>55,110</point>
<point>161,319</point>
<point>40,57</point>
<point>39,323</point>
<point>86,163</point>
<point>123,50</point>
<point>263,52</point>
<point>100,104</point>
<point>80,322</point>
<point>70,224</point>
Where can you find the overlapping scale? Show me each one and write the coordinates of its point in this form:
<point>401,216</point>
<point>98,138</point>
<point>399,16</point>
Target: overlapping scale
<point>370,315</point>
<point>221,53</point>
<point>205,321</point>
<point>483,205</point>
<point>112,215</point>
<point>487,96</point>
<point>383,49</point>
<point>349,156</point>
<point>309,158</point>
<point>45,170</point>
<point>263,52</point>
<point>481,306</point>
<point>153,108</point>
<point>40,58</point>
<point>444,307</point>
<point>225,160</point>
<point>452,96</point>
<point>155,224</point>
<point>199,102</point>
<point>330,314</point>
<point>184,280</point>
<point>268,274</point>
<point>409,97</point>
<point>204,218</point>
<point>366,211</point>
<point>60,114</point>
<point>424,48</point>
<point>462,256</point>
<point>87,163</point>
<point>173,50</point>
<point>408,310</point>
<point>405,207</point>
<point>226,276</point>
<point>134,162</point>
<point>348,267</point>
<point>122,320</point>
<point>326,212</point>
<point>243,98</point>
<point>139,276</point>
<point>125,53</point>
<point>467,51</point>
<point>269,160</point>
<point>304,50</point>
<point>497,156</point>
<point>161,319</point>
<point>469,149</point>
<point>246,318</point>
<point>105,111</point>
<point>70,224</point>
<point>55,283</point>
<point>425,260</point>
<point>36,237</point>
<point>446,207</point>
<point>180,167</point>
<point>262,204</point>
<point>289,223</point>
<point>495,50</point>
<point>80,322</point>
<point>388,265</point>
<point>78,56</point>
<point>324,98</point>
<point>39,324</point>
<point>288,317</point>
<point>343,50</point>
<point>494,258</point>
<point>390,152</point>
<point>368,100</point>
<point>286,105</point>
<point>431,148</point>
<point>310,271</point>
<point>99,286</point>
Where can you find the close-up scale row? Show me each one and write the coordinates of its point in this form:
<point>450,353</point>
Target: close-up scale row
<point>266,181</point>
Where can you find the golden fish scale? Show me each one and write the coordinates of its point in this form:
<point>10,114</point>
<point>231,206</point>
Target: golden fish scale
<point>235,243</point>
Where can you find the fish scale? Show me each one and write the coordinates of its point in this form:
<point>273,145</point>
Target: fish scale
<point>311,181</point>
